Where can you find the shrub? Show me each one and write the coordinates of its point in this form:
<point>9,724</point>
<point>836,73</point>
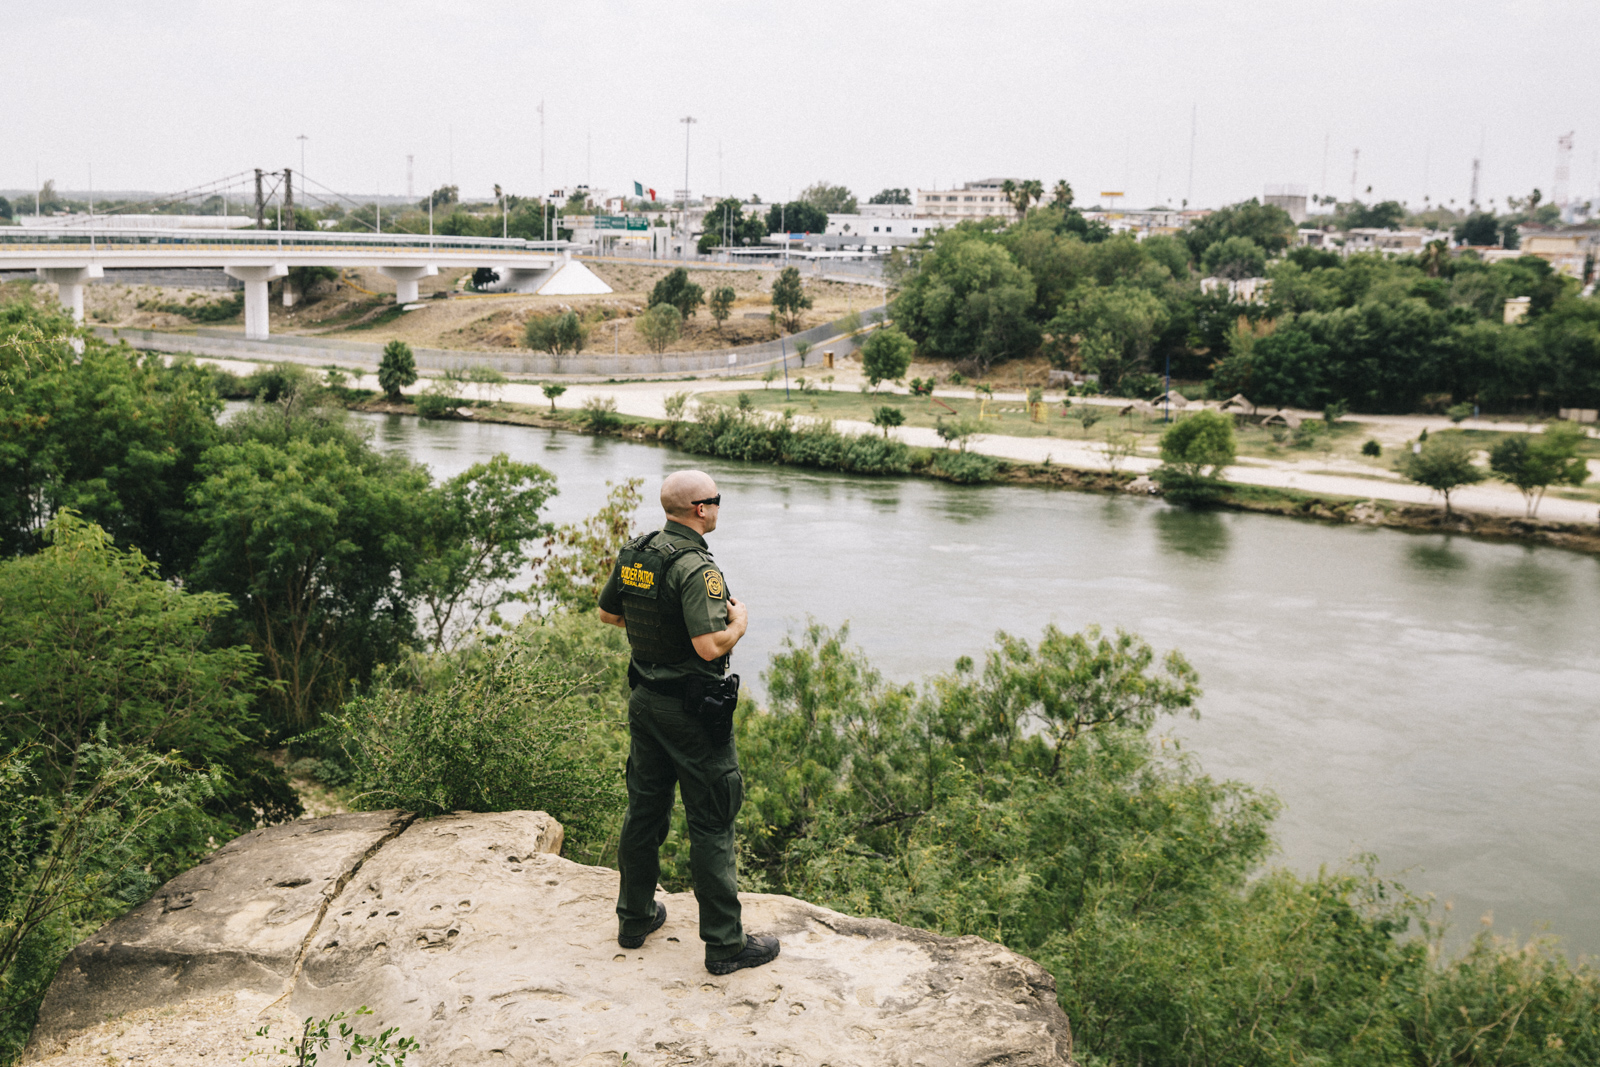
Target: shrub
<point>497,730</point>
<point>437,401</point>
<point>887,417</point>
<point>965,467</point>
<point>551,391</point>
<point>1371,448</point>
<point>397,369</point>
<point>1458,413</point>
<point>599,413</point>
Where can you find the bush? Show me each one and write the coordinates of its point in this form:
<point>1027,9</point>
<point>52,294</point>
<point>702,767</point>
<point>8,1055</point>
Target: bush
<point>1372,448</point>
<point>498,728</point>
<point>397,369</point>
<point>964,467</point>
<point>599,413</point>
<point>1194,450</point>
<point>731,434</point>
<point>437,401</point>
<point>677,291</point>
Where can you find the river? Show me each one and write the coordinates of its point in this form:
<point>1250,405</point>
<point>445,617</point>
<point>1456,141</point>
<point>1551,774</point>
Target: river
<point>1428,698</point>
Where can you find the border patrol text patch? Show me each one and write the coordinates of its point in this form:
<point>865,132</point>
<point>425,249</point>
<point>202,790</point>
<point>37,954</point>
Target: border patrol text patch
<point>713,585</point>
<point>637,577</point>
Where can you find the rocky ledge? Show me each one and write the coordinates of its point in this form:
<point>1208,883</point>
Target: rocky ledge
<point>470,933</point>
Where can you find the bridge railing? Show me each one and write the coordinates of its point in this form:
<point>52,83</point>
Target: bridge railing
<point>51,238</point>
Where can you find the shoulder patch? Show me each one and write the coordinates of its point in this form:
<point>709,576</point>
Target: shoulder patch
<point>713,584</point>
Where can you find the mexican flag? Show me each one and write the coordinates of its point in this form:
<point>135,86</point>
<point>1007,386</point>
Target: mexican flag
<point>639,190</point>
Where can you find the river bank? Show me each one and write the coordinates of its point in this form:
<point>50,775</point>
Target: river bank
<point>1267,500</point>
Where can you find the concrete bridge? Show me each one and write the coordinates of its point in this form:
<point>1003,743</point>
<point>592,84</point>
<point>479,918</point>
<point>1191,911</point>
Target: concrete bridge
<point>70,256</point>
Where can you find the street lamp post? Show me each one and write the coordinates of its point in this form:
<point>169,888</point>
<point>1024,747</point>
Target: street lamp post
<point>683,228</point>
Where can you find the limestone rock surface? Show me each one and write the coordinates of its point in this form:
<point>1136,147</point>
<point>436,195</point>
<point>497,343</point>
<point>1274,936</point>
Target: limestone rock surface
<point>471,934</point>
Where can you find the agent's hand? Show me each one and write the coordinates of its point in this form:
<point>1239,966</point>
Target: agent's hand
<point>738,614</point>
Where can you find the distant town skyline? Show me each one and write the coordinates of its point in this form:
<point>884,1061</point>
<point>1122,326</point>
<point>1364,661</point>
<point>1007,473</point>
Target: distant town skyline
<point>1100,94</point>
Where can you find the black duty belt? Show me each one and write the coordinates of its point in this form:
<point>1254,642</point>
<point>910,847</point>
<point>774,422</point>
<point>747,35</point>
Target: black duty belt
<point>676,688</point>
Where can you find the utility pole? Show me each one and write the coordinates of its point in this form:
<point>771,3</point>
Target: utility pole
<point>683,233</point>
<point>1472,199</point>
<point>1194,129</point>
<point>544,194</point>
<point>302,139</point>
<point>410,191</point>
<point>1355,168</point>
<point>288,197</point>
<point>261,203</point>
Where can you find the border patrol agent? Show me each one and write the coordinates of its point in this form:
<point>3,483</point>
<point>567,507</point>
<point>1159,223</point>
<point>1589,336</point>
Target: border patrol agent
<point>682,623</point>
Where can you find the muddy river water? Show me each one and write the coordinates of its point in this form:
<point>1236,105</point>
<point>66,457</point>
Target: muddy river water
<point>1430,699</point>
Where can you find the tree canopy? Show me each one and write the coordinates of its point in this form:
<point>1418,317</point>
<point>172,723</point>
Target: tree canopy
<point>829,199</point>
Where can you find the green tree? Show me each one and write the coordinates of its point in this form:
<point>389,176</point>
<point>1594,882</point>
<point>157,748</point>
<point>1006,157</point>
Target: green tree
<point>557,334</point>
<point>113,434</point>
<point>891,196</point>
<point>829,199</point>
<point>314,537</point>
<point>1534,462</point>
<point>1061,195</point>
<point>1387,215</point>
<point>886,356</point>
<point>396,370</point>
<point>797,216</point>
<point>789,299</point>
<point>1266,224</point>
<point>677,290</point>
<point>887,417</point>
<point>1235,257</point>
<point>551,391</point>
<point>93,643</point>
<point>1443,463</point>
<point>1194,451</point>
<point>722,299</point>
<point>661,326</point>
<point>477,535</point>
<point>1478,228</point>
<point>1110,330</point>
<point>968,299</point>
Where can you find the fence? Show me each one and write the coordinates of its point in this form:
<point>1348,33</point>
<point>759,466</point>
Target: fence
<point>723,362</point>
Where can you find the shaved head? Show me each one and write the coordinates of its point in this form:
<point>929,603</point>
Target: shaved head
<point>681,487</point>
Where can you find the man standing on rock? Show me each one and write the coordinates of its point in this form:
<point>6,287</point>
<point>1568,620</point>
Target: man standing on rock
<point>682,624</point>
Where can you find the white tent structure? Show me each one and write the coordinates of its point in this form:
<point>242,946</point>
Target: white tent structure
<point>569,278</point>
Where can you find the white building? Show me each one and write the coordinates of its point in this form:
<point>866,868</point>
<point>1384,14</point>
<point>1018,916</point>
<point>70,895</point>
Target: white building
<point>974,200</point>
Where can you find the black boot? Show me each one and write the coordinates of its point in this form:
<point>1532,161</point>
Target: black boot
<point>757,950</point>
<point>637,940</point>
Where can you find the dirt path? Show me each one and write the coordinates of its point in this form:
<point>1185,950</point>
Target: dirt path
<point>1315,475</point>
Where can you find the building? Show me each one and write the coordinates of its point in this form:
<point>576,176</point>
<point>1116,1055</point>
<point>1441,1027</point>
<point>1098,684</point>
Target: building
<point>1292,198</point>
<point>872,232</point>
<point>1566,250</point>
<point>974,200</point>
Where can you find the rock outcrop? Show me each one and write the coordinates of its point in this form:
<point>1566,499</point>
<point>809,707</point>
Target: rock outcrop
<point>471,934</point>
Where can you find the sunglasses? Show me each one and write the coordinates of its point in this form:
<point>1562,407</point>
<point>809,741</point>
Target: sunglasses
<point>715,501</point>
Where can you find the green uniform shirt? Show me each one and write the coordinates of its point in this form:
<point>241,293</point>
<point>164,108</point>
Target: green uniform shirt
<point>693,582</point>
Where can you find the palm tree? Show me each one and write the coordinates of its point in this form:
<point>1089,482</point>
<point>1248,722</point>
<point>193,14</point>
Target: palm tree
<point>1063,195</point>
<point>1032,190</point>
<point>1008,189</point>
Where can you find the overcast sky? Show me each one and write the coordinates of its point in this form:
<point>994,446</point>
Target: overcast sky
<point>164,96</point>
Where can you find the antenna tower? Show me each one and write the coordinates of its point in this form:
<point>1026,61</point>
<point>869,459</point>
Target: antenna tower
<point>1563,170</point>
<point>409,192</point>
<point>1472,199</point>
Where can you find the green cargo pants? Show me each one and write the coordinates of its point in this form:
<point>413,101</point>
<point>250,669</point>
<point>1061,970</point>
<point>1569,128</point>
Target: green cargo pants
<point>669,748</point>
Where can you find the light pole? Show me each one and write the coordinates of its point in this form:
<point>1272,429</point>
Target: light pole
<point>302,139</point>
<point>683,231</point>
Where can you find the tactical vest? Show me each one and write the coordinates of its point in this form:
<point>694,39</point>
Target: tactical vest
<point>656,630</point>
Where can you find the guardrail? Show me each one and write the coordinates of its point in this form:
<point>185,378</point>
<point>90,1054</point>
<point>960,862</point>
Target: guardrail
<point>51,239</point>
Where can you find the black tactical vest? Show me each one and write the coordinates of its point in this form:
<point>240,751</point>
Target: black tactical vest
<point>656,630</point>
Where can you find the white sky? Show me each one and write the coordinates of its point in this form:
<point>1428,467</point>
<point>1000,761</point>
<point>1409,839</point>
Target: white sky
<point>163,96</point>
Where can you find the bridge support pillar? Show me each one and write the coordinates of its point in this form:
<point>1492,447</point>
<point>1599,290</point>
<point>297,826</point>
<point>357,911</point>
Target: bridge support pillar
<point>405,280</point>
<point>70,280</point>
<point>255,296</point>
